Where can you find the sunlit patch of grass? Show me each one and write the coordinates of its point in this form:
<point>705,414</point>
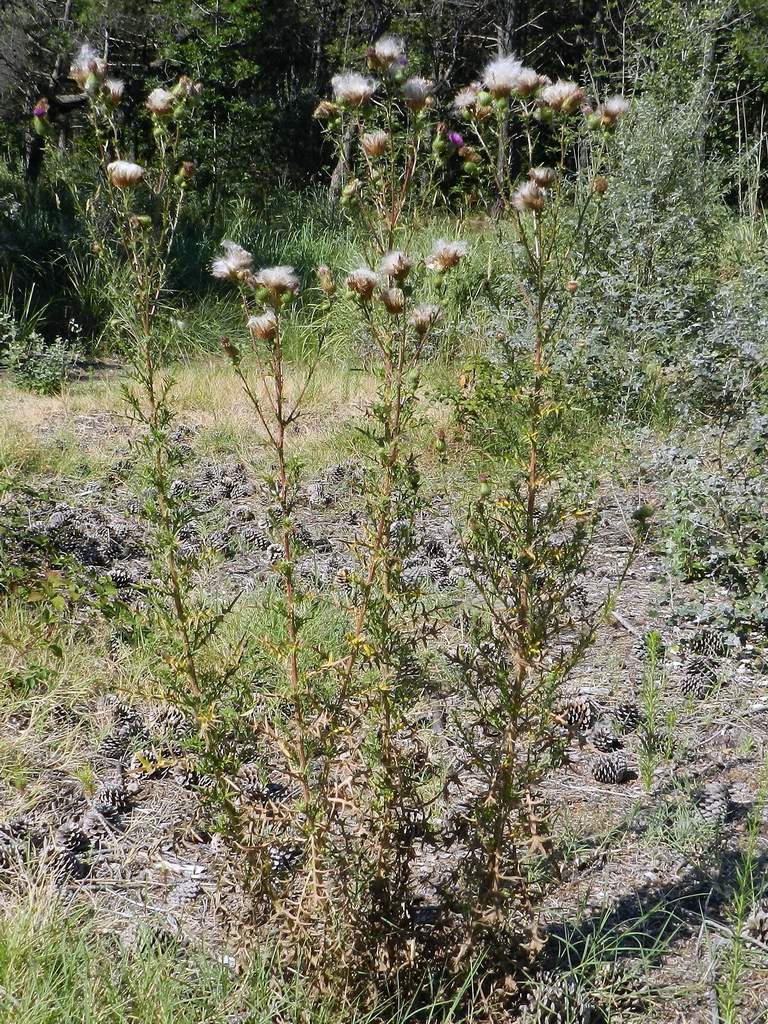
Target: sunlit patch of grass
<point>17,767</point>
<point>55,965</point>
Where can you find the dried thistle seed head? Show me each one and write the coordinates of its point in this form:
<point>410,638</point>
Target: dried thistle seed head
<point>564,96</point>
<point>325,281</point>
<point>375,143</point>
<point>528,81</point>
<point>114,89</point>
<point>543,176</point>
<point>446,255</point>
<point>609,112</point>
<point>278,282</point>
<point>501,76</point>
<point>396,265</point>
<point>160,102</point>
<point>87,65</point>
<point>386,52</point>
<point>325,110</point>
<point>416,92</point>
<point>600,185</point>
<point>234,264</point>
<point>465,99</point>
<point>124,174</point>
<point>263,327</point>
<point>393,300</point>
<point>352,89</point>
<point>528,198</point>
<point>424,318</point>
<point>572,287</point>
<point>362,282</point>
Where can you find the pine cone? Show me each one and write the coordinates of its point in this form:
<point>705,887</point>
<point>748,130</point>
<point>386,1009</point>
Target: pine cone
<point>65,864</point>
<point>174,723</point>
<point>408,670</point>
<point>603,738</point>
<point>113,747</point>
<point>621,987</point>
<point>110,799</point>
<point>557,1000</point>
<point>580,714</point>
<point>7,855</point>
<point>147,763</point>
<point>757,922</point>
<point>285,857</point>
<point>714,802</point>
<point>700,677</point>
<point>253,537</point>
<point>121,579</point>
<point>71,838</point>
<point>185,892</point>
<point>626,716</point>
<point>610,768</point>
<point>128,721</point>
<point>708,641</point>
<point>439,570</point>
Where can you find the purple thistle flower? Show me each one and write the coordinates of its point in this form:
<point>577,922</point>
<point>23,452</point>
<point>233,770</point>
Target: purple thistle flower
<point>41,109</point>
<point>456,139</point>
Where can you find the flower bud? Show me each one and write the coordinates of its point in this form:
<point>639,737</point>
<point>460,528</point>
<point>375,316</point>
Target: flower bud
<point>325,110</point>
<point>325,281</point>
<point>160,102</point>
<point>350,191</point>
<point>230,350</point>
<point>396,265</point>
<point>280,284</point>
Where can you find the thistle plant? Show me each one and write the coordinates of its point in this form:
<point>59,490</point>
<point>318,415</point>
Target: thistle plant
<point>528,531</point>
<point>299,726</point>
<point>400,300</point>
<point>133,215</point>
